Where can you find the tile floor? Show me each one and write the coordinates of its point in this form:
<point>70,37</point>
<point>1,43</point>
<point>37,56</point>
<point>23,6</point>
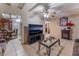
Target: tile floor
<point>14,48</point>
<point>67,50</point>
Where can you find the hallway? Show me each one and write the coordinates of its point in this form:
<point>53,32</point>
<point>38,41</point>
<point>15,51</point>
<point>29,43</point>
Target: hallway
<point>14,48</point>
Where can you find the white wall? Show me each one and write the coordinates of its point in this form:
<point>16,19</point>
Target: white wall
<point>55,29</point>
<point>26,19</point>
<point>54,25</point>
<point>26,16</point>
<point>34,20</point>
<point>75,20</point>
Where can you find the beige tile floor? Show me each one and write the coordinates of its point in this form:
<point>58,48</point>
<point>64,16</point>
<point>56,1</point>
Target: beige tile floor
<point>68,47</point>
<point>14,48</point>
<point>67,50</point>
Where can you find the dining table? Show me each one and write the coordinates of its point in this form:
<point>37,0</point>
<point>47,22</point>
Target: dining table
<point>9,34</point>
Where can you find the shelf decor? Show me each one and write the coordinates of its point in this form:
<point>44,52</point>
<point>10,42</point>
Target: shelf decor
<point>5,24</point>
<point>70,24</point>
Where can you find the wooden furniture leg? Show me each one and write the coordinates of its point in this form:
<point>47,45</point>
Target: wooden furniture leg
<point>3,50</point>
<point>39,46</point>
<point>59,42</point>
<point>48,51</point>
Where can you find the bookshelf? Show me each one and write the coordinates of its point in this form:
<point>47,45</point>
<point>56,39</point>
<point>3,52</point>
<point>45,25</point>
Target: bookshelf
<point>34,33</point>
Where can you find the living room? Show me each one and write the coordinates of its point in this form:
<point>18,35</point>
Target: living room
<point>57,21</point>
<point>54,26</point>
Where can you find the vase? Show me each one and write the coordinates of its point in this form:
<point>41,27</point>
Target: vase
<point>68,27</point>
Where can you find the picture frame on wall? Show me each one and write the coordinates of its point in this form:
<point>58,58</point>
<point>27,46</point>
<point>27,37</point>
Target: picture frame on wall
<point>63,21</point>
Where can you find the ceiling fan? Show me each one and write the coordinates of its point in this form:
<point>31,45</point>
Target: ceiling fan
<point>46,14</point>
<point>49,13</point>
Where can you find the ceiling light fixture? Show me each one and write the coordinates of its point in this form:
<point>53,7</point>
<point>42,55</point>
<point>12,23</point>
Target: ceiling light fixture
<point>49,14</point>
<point>18,20</point>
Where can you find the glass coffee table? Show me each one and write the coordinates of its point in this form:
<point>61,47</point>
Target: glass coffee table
<point>48,44</point>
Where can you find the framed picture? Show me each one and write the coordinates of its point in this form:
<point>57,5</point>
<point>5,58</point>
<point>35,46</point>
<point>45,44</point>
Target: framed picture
<point>63,21</point>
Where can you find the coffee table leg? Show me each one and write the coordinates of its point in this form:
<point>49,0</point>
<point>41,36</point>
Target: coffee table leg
<point>48,51</point>
<point>39,46</point>
<point>59,42</point>
<point>3,50</point>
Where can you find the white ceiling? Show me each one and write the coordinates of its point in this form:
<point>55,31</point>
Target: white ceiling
<point>61,9</point>
<point>67,9</point>
<point>16,5</point>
